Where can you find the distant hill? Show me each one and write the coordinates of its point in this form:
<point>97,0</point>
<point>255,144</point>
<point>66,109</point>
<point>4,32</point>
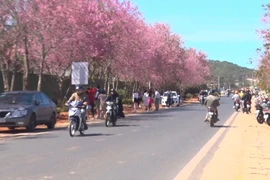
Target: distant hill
<point>231,75</point>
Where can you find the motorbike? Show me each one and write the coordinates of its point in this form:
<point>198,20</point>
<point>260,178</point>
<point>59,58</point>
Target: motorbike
<point>248,107</point>
<point>259,114</point>
<point>237,105</point>
<point>75,118</point>
<point>111,114</point>
<point>266,113</point>
<point>212,116</point>
<point>202,99</point>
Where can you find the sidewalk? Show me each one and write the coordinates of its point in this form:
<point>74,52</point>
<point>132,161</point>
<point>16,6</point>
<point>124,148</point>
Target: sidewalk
<point>243,154</point>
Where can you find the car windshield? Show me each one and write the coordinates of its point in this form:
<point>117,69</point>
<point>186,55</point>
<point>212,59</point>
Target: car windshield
<point>20,98</point>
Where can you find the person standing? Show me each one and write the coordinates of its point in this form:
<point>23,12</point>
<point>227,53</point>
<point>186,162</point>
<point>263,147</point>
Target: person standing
<point>102,108</point>
<point>157,100</point>
<point>97,101</point>
<point>145,99</point>
<point>91,101</point>
<point>135,98</point>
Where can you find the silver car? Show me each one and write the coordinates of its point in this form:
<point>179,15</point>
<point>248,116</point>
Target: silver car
<point>26,109</point>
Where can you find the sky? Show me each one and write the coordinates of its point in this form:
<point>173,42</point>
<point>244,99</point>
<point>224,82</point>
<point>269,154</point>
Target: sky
<point>224,30</point>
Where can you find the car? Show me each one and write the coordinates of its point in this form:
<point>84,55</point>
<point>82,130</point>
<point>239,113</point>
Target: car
<point>175,97</point>
<point>26,109</point>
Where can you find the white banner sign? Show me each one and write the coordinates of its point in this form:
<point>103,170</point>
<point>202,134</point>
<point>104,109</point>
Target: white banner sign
<point>79,74</point>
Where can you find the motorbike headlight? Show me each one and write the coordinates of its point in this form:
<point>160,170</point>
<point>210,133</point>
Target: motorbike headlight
<point>18,113</point>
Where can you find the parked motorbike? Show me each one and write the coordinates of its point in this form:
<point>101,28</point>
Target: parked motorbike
<point>111,114</point>
<point>75,118</point>
<point>237,105</point>
<point>259,114</point>
<point>212,116</point>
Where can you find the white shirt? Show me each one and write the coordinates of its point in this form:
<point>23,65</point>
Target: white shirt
<point>157,95</point>
<point>135,95</point>
<point>235,97</point>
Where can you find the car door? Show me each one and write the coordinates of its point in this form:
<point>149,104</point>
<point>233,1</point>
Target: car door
<point>48,109</point>
<point>40,109</point>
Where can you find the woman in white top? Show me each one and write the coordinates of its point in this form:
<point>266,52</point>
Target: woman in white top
<point>145,99</point>
<point>135,98</point>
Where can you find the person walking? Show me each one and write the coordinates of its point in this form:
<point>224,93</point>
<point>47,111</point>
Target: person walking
<point>157,100</point>
<point>145,99</point>
<point>135,98</point>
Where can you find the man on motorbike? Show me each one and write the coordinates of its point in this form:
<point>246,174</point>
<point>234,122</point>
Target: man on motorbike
<point>113,97</point>
<point>235,97</point>
<point>80,96</point>
<point>211,101</point>
<point>246,97</point>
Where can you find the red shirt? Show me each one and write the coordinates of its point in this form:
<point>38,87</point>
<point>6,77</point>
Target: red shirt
<point>91,95</point>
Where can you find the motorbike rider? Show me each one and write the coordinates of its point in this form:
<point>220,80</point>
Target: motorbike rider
<point>80,96</point>
<point>211,101</point>
<point>246,97</point>
<point>113,97</point>
<point>235,97</point>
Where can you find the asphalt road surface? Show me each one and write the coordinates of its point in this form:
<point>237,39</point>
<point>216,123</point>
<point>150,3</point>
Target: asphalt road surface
<point>152,146</point>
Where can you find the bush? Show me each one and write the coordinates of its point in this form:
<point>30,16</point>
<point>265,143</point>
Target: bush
<point>189,96</point>
<point>196,95</point>
<point>127,101</point>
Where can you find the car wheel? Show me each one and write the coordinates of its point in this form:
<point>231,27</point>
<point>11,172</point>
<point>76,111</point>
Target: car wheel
<point>32,123</point>
<point>52,122</point>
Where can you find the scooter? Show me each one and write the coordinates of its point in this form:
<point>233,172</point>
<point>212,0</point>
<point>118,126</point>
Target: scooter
<point>75,118</point>
<point>212,116</point>
<point>237,105</point>
<point>111,114</point>
<point>259,114</point>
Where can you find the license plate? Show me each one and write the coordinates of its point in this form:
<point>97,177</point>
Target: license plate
<point>211,113</point>
<point>265,116</point>
<point>237,104</point>
<point>248,106</point>
<point>2,120</point>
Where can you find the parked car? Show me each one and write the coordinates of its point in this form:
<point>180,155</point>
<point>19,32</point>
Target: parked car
<point>26,109</point>
<point>175,98</point>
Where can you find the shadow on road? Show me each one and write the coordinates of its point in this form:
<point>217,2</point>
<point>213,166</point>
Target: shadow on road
<point>125,125</point>
<point>95,134</point>
<point>222,126</point>
<point>37,130</point>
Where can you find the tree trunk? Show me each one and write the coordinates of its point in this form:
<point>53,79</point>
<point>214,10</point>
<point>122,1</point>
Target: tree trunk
<point>4,70</point>
<point>117,83</point>
<point>13,79</point>
<point>41,67</point>
<point>26,64</point>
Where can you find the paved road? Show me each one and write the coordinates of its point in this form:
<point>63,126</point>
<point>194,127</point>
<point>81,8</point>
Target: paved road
<point>150,146</point>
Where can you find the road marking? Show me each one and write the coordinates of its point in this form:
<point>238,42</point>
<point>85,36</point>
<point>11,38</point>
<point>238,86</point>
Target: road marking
<point>192,164</point>
<point>72,148</point>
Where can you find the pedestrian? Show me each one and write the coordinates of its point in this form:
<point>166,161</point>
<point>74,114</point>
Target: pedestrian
<point>91,101</point>
<point>97,101</point>
<point>120,108</point>
<point>145,99</point>
<point>135,98</point>
<point>150,100</point>
<point>102,106</point>
<point>139,99</point>
<point>157,100</point>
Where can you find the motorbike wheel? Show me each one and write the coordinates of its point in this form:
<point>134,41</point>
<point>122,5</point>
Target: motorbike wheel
<point>260,119</point>
<point>114,121</point>
<point>72,128</point>
<point>107,120</point>
<point>212,122</point>
<point>268,121</point>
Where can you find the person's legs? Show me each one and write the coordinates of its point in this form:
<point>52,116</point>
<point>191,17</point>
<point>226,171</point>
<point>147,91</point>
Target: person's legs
<point>83,114</point>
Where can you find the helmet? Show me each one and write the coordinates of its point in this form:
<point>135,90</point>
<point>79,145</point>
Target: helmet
<point>236,92</point>
<point>78,87</point>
